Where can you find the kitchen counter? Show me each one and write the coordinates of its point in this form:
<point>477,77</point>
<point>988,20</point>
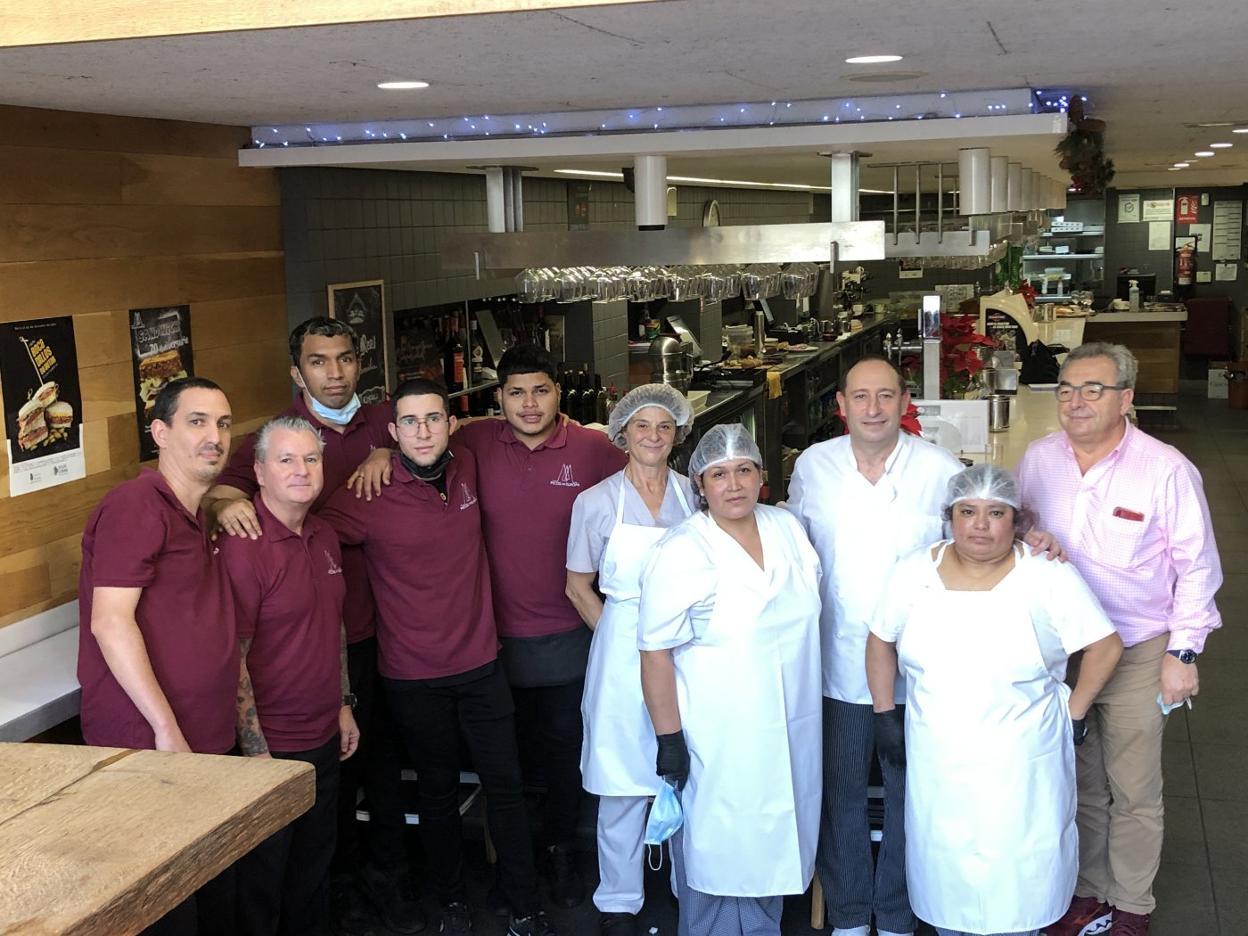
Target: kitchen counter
<point>1131,318</point>
<point>104,841</point>
<point>1033,415</point>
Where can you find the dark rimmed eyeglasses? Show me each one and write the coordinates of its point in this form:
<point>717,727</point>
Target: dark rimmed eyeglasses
<point>1090,391</point>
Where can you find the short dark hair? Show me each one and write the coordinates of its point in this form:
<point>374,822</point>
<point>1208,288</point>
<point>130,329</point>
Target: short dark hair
<point>419,386</point>
<point>319,325</point>
<point>166,402</point>
<point>526,359</point>
<point>844,381</point>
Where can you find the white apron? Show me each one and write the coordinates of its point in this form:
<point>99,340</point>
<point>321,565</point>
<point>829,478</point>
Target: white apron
<point>750,705</point>
<point>618,755</point>
<point>991,844</point>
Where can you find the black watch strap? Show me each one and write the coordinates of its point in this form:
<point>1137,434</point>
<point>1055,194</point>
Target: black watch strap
<point>348,698</point>
<point>1184,656</point>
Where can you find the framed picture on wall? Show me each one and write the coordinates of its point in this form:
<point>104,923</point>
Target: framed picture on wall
<point>362,306</point>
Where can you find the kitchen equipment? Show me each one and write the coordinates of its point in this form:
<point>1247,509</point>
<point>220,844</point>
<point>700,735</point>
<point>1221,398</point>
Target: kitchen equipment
<point>671,362</point>
<point>998,412</point>
<point>740,340</point>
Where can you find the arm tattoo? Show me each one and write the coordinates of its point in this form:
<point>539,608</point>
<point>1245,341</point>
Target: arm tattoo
<point>247,721</point>
<point>346,676</point>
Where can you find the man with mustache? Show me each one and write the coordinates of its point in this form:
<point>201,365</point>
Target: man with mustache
<point>157,648</point>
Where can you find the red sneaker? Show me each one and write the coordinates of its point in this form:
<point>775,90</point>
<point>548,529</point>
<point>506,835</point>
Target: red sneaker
<point>1129,924</point>
<point>1087,916</point>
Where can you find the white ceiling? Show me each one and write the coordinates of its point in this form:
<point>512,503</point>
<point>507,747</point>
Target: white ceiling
<point>1148,68</point>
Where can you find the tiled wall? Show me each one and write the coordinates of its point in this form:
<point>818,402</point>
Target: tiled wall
<point>346,225</point>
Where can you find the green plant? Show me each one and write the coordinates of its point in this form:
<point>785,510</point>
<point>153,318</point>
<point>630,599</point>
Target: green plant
<point>1082,153</point>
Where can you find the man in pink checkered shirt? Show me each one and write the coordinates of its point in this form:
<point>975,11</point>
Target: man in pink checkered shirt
<point>1132,515</point>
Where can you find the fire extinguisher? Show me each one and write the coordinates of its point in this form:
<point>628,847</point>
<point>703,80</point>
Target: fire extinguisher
<point>1185,266</point>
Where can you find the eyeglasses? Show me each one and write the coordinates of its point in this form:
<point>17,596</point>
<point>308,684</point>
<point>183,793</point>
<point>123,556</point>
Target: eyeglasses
<point>410,425</point>
<point>1090,392</point>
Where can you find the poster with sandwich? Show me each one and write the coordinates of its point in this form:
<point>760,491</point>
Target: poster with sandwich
<point>160,345</point>
<point>42,404</point>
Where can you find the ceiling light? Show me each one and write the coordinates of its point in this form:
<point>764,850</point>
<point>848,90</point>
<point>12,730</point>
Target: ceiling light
<point>402,85</point>
<point>1204,154</point>
<point>1181,165</point>
<point>872,59</point>
<point>1221,145</point>
<point>1240,130</point>
<point>1174,169</point>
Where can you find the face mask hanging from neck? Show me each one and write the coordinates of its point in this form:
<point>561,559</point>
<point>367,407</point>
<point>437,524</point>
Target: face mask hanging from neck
<point>339,417</point>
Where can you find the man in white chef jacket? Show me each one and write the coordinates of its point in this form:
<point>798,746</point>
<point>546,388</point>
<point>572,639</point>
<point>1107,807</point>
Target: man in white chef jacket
<point>866,499</point>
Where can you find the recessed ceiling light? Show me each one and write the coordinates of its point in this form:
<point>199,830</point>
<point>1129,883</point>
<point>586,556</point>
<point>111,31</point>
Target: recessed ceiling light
<point>1174,169</point>
<point>1240,130</point>
<point>1221,145</point>
<point>402,85</point>
<point>1181,165</point>
<point>872,59</point>
<point>1203,154</point>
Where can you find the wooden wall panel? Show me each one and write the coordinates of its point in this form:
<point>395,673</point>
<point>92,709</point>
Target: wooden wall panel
<point>74,232</point>
<point>100,215</point>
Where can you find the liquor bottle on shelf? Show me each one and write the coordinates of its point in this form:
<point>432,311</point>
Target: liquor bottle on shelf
<point>571,395</point>
<point>478,355</point>
<point>613,397</point>
<point>455,376</point>
<point>600,400</point>
<point>542,336</point>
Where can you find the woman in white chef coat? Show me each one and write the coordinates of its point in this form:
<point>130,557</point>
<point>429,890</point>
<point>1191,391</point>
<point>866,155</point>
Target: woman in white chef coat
<point>729,634</point>
<point>614,524</point>
<point>982,631</point>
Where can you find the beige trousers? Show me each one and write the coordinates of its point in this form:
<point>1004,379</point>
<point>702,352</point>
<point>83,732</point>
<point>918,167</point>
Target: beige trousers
<point>1118,769</point>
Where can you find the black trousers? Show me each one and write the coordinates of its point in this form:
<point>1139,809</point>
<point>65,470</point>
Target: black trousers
<point>431,721</point>
<point>283,883</point>
<point>549,722</point>
<point>377,767</point>
<point>210,911</point>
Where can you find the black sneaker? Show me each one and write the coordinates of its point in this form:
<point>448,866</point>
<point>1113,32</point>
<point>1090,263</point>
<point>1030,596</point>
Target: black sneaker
<point>619,924</point>
<point>456,919</point>
<point>496,901</point>
<point>349,913</point>
<point>566,887</point>
<point>395,903</point>
<point>535,924</point>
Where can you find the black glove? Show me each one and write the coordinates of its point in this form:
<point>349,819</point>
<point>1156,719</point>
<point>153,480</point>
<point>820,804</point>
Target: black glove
<point>1079,727</point>
<point>890,736</point>
<point>672,763</point>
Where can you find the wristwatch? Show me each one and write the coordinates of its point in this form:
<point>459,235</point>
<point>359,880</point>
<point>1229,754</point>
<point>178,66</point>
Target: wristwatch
<point>1183,656</point>
<point>349,698</point>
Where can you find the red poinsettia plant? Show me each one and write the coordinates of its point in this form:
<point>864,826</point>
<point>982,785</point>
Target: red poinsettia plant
<point>960,357</point>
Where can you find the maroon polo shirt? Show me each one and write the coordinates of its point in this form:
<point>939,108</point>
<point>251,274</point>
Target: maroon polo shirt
<point>344,451</point>
<point>140,536</point>
<point>426,560</point>
<point>526,503</point>
<point>288,593</point>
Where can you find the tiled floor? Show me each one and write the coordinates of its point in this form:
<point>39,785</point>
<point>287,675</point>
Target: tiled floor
<point>1202,888</point>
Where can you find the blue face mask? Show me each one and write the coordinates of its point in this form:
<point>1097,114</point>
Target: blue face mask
<point>666,816</point>
<point>339,417</point>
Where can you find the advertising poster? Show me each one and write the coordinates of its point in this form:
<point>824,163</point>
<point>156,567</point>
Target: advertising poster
<point>160,350</point>
<point>362,306</point>
<point>42,404</point>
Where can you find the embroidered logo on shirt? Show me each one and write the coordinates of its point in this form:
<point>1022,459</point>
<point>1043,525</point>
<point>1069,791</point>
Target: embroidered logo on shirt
<point>334,568</point>
<point>565,478</point>
<point>466,497</point>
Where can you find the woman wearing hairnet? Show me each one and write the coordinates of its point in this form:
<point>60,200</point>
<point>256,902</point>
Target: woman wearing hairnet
<point>729,634</point>
<point>614,524</point>
<point>983,631</point>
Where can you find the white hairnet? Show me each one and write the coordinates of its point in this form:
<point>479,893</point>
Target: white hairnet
<point>984,482</point>
<point>722,443</point>
<point>666,398</point>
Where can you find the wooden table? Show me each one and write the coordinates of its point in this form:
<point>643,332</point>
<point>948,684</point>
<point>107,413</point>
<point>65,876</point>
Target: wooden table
<point>105,841</point>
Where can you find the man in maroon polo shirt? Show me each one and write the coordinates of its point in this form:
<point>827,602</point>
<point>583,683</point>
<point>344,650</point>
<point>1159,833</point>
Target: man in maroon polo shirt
<point>293,692</point>
<point>438,646</point>
<point>325,366</point>
<point>531,466</point>
<point>157,651</point>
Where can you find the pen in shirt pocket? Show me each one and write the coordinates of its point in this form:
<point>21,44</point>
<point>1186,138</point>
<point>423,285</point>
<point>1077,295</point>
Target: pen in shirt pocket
<point>1124,514</point>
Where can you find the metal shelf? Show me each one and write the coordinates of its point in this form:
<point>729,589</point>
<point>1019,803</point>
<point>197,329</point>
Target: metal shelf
<point>1066,256</point>
<point>1098,232</point>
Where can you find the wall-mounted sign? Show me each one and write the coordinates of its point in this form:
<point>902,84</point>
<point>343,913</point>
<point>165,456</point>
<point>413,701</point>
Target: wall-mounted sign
<point>362,306</point>
<point>1128,208</point>
<point>42,404</point>
<point>1157,209</point>
<point>160,346</point>
<point>1187,208</point>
